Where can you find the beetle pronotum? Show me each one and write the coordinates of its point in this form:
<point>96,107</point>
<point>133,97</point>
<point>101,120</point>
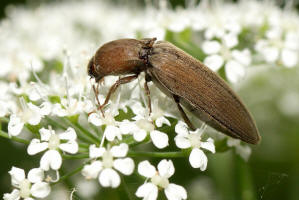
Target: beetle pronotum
<point>180,76</point>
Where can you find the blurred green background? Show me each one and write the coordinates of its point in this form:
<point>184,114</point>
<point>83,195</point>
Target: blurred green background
<point>272,172</point>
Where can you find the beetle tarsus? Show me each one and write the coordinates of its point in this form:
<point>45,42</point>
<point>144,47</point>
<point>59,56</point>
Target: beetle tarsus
<point>183,114</point>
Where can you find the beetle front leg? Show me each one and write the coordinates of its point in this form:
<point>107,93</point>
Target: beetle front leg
<point>114,87</point>
<point>147,92</point>
<point>183,114</point>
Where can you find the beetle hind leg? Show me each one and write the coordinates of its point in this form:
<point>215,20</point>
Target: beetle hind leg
<point>147,92</point>
<point>183,114</point>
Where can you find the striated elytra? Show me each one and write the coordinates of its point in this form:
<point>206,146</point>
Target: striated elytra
<point>180,76</point>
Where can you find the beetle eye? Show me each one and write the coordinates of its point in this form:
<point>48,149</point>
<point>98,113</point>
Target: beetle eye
<point>90,68</point>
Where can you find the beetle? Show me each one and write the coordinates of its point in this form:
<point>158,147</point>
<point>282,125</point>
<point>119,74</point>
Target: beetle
<point>179,75</point>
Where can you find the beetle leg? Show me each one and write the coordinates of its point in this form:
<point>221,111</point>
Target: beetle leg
<point>147,92</point>
<point>183,114</point>
<point>115,86</point>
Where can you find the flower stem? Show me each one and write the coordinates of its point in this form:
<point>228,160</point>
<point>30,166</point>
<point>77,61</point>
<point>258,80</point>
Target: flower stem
<point>63,126</point>
<point>69,174</point>
<point>74,157</point>
<point>126,188</point>
<point>89,134</point>
<point>5,135</point>
<point>92,139</point>
<point>174,154</point>
<point>4,119</point>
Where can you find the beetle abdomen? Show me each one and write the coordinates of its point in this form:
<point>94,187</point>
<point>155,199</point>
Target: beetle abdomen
<point>202,91</point>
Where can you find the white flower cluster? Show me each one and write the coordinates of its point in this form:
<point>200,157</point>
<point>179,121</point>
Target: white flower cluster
<point>45,89</point>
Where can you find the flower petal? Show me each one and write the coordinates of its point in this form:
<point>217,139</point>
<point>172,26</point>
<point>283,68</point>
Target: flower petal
<point>159,139</point>
<point>147,191</point>
<point>230,40</point>
<point>166,168</point>
<point>45,108</point>
<point>127,127</point>
<point>146,169</point>
<point>109,178</point>
<point>289,58</point>
<point>51,159</point>
<point>139,135</point>
<point>17,175</point>
<point>120,150</point>
<point>181,129</point>
<point>211,47</point>
<point>242,57</point>
<point>125,165</point>
<point>234,71</point>
<point>92,170</point>
<point>95,119</point>
<point>36,175</point>
<point>198,159</point>
<point>14,195</point>
<point>270,54</point>
<point>111,132</point>
<point>69,134</point>
<point>40,189</point>
<point>162,120</point>
<point>175,192</point>
<point>95,152</point>
<point>209,145</point>
<point>182,142</point>
<point>46,134</point>
<point>214,62</point>
<point>69,147</point>
<point>36,146</point>
<point>15,125</point>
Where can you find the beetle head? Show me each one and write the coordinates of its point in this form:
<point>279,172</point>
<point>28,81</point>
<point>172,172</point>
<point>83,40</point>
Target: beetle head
<point>92,72</point>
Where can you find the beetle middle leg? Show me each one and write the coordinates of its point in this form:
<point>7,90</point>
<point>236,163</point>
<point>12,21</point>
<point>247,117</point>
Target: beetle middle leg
<point>147,92</point>
<point>183,114</point>
<point>115,86</point>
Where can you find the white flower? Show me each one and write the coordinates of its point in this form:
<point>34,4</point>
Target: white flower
<point>26,188</point>
<point>158,114</point>
<point>30,113</point>
<point>192,139</point>
<point>112,129</point>
<point>222,53</point>
<point>159,179</point>
<point>141,128</point>
<point>52,143</point>
<point>279,46</point>
<point>243,150</point>
<point>111,160</point>
<point>68,107</point>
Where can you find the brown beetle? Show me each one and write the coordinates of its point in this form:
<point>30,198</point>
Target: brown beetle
<point>179,75</point>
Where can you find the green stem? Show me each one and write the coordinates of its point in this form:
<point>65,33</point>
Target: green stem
<point>89,134</point>
<point>77,156</point>
<point>126,188</point>
<point>69,174</point>
<point>5,135</point>
<point>4,119</point>
<point>174,154</point>
<point>86,136</point>
<point>63,126</point>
